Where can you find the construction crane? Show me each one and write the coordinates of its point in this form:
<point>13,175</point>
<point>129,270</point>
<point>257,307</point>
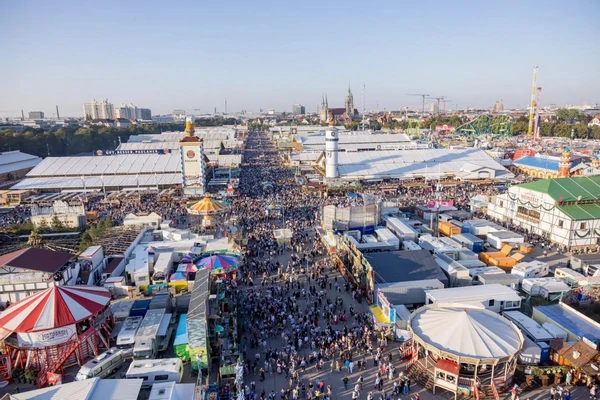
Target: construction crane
<point>423,95</point>
<point>532,102</point>
<point>441,98</point>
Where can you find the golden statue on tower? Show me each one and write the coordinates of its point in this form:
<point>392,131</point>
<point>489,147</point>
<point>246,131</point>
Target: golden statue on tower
<point>330,119</point>
<point>189,126</point>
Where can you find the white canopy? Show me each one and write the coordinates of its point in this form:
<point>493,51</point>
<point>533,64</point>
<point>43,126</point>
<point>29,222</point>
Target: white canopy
<point>467,331</point>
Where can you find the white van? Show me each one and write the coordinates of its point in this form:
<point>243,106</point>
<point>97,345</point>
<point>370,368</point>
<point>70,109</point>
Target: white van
<point>156,371</point>
<point>104,365</point>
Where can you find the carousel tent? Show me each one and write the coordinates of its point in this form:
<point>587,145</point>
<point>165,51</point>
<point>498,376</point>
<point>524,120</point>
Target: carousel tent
<point>207,206</point>
<point>467,332</point>
<point>54,307</point>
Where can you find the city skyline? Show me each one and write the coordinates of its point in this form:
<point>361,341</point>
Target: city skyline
<point>190,56</point>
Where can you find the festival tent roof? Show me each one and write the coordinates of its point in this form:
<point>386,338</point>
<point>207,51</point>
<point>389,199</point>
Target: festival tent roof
<point>54,307</point>
<point>35,259</point>
<point>581,188</point>
<point>467,331</point>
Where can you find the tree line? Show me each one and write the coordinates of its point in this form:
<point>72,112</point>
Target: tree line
<point>73,140</point>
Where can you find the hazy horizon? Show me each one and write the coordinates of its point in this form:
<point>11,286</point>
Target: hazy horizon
<point>264,55</point>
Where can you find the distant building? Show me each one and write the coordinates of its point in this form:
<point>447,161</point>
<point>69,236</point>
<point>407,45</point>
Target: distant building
<point>178,115</point>
<point>163,119</point>
<point>36,115</point>
<point>98,110</point>
<point>298,109</point>
<point>130,111</point>
<point>593,122</point>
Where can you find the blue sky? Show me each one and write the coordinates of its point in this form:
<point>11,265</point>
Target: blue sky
<point>272,54</point>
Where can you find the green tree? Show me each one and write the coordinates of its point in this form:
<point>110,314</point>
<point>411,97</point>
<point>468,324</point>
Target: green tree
<point>519,128</point>
<point>43,225</point>
<point>56,224</point>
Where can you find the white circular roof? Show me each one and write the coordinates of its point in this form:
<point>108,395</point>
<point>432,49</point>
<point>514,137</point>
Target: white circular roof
<point>467,332</point>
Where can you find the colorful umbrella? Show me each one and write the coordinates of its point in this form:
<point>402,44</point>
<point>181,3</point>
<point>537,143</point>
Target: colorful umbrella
<point>217,261</point>
<point>178,276</point>
<point>191,267</point>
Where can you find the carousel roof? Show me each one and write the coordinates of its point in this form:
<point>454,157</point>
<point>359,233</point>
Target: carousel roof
<point>467,331</point>
<point>207,205</point>
<point>54,307</point>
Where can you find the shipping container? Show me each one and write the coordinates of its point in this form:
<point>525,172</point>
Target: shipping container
<point>139,308</point>
<point>448,229</point>
<point>470,241</point>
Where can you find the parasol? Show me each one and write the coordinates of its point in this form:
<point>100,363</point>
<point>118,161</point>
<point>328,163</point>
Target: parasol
<point>217,261</point>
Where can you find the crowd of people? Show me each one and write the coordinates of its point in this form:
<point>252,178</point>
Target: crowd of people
<point>305,325</point>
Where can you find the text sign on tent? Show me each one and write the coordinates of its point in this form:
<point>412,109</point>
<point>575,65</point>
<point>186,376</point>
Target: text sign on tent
<point>46,338</point>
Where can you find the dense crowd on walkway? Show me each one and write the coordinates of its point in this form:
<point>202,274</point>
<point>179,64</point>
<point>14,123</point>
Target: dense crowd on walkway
<point>300,326</point>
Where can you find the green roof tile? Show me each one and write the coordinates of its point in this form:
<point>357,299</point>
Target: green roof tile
<point>569,188</point>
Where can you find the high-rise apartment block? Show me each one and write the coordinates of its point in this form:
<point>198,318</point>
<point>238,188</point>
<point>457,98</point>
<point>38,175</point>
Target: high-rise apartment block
<point>98,110</point>
<point>130,111</point>
<point>298,109</point>
<point>36,115</point>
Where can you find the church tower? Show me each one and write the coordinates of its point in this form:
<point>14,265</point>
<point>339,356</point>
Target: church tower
<point>324,110</point>
<point>564,165</point>
<point>349,104</point>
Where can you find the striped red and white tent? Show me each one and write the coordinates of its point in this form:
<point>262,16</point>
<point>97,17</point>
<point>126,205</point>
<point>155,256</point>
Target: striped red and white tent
<point>54,307</point>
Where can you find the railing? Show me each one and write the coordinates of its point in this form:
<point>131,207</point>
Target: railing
<point>495,391</point>
<point>59,354</point>
<point>476,392</point>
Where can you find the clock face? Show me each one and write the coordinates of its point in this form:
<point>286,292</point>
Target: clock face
<point>190,154</point>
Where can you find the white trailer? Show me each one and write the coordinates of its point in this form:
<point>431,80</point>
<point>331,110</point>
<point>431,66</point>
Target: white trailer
<point>156,371</point>
<point>498,239</point>
<point>93,254</point>
<point>531,354</point>
<point>475,273</point>
<point>386,236</point>
<point>146,341</point>
<point>571,277</point>
<point>528,326</point>
<point>431,243</point>
<point>410,245</point>
<point>162,267</point>
<point>120,309</point>
<point>532,269</point>
<point>402,229</point>
<point>126,337</point>
<point>493,297</point>
<point>555,331</point>
<point>544,287</point>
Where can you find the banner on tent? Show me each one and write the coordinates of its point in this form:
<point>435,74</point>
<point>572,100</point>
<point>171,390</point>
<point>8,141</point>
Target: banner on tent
<point>46,338</point>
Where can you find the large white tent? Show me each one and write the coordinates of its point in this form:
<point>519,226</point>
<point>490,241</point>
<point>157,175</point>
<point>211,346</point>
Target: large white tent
<point>466,331</point>
<point>461,163</point>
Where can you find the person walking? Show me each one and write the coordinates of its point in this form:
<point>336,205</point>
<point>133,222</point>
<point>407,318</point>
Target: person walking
<point>345,380</point>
